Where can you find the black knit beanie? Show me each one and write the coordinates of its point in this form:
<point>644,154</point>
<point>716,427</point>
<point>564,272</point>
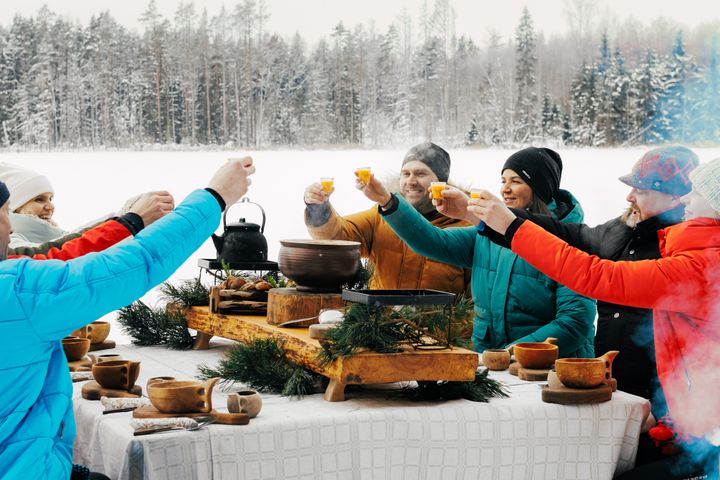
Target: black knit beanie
<point>541,168</point>
<point>4,194</point>
<point>437,159</point>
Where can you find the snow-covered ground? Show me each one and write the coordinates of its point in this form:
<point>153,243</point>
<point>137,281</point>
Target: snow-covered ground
<point>90,184</point>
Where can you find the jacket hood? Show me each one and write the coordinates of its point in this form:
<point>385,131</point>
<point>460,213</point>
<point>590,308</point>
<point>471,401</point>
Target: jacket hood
<point>695,234</point>
<point>566,207</point>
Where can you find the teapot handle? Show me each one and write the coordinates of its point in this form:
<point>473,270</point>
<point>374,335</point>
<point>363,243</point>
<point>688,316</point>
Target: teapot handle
<point>244,200</point>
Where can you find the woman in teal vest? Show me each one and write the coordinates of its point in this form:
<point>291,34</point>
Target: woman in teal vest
<point>514,302</point>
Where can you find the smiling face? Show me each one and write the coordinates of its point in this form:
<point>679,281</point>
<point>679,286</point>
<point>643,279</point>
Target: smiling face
<point>696,206</point>
<point>5,230</point>
<point>514,191</point>
<point>415,179</point>
<point>649,203</point>
<point>41,206</point>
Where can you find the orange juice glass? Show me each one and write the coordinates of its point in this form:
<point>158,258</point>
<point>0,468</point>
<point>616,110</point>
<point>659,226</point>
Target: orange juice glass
<point>363,174</point>
<point>437,188</point>
<point>475,193</point>
<point>327,184</point>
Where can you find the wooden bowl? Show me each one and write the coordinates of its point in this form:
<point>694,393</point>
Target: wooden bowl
<point>536,355</point>
<point>580,372</point>
<point>182,396</point>
<point>75,348</point>
<point>319,265</point>
<point>98,331</point>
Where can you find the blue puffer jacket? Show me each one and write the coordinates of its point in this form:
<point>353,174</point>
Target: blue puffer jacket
<point>514,302</point>
<point>43,301</point>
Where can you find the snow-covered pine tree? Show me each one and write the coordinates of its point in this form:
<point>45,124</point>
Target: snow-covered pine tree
<point>525,65</point>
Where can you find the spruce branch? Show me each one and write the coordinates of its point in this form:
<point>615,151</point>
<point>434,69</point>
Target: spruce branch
<point>482,389</point>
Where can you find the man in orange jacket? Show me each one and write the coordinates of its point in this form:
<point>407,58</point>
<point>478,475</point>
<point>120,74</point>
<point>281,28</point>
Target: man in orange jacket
<point>395,265</point>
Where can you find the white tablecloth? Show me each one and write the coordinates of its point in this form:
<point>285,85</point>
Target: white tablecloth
<point>373,435</point>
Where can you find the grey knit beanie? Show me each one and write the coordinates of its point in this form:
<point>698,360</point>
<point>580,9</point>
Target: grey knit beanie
<point>706,182</point>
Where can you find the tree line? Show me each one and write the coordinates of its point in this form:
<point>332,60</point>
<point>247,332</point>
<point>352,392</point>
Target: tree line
<point>222,80</point>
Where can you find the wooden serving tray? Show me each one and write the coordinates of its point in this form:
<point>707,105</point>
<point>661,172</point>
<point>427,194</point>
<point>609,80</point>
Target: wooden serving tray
<point>148,411</point>
<point>93,391</point>
<point>532,374</point>
<point>82,365</point>
<point>107,344</point>
<point>576,396</point>
<point>222,418</point>
<point>456,364</point>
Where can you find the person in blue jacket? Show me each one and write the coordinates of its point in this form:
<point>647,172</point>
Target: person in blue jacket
<point>514,302</point>
<point>43,301</point>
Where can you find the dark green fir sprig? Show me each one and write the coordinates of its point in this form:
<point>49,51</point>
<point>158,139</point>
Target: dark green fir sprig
<point>190,293</point>
<point>153,326</point>
<point>482,389</point>
<point>264,366</point>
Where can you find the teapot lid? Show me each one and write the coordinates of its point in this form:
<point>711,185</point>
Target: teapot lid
<point>243,226</point>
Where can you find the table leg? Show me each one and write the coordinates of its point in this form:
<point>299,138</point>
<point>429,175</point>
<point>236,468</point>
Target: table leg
<point>335,391</point>
<point>202,341</point>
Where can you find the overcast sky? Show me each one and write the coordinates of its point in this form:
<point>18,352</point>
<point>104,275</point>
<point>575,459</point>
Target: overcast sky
<point>315,18</point>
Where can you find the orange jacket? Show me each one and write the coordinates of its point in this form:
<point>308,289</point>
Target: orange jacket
<point>682,288</point>
<point>96,239</point>
<point>395,265</point>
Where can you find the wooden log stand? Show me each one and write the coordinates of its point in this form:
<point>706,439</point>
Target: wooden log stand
<point>286,304</point>
<point>454,364</point>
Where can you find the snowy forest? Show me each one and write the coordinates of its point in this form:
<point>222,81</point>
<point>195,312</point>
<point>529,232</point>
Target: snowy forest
<point>220,78</point>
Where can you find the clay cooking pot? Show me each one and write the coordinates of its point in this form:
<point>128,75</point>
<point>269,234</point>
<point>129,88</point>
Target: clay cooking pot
<point>536,355</point>
<point>319,265</point>
<point>585,372</point>
<point>182,396</point>
<point>116,374</point>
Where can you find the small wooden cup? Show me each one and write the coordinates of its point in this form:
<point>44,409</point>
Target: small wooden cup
<point>496,359</point>
<point>98,331</point>
<point>116,374</point>
<point>246,401</point>
<point>75,348</point>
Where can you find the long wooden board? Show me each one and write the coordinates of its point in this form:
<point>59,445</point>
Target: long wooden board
<point>454,364</point>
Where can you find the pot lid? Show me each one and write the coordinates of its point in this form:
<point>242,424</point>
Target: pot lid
<point>324,244</point>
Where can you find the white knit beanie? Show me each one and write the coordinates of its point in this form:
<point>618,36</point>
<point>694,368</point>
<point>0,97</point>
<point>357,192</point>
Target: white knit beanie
<point>24,184</point>
<point>705,181</point>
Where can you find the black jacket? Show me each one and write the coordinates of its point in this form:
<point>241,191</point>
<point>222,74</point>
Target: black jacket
<point>627,329</point>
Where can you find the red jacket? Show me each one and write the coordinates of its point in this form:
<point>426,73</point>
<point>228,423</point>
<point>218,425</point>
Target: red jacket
<point>96,239</point>
<point>682,288</point>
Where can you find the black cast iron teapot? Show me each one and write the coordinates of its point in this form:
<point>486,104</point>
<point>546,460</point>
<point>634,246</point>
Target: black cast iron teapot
<point>242,241</point>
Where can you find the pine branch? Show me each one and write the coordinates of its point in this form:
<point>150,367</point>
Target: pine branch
<point>148,326</point>
<point>190,293</point>
<point>263,365</point>
<point>482,389</point>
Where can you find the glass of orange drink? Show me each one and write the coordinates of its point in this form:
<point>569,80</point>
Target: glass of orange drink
<point>475,192</point>
<point>436,188</point>
<point>363,174</point>
<point>327,184</point>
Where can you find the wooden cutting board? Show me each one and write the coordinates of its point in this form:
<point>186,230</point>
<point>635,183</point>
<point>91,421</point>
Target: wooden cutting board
<point>93,391</point>
<point>224,418</point>
<point>532,375</point>
<point>513,368</point>
<point>148,411</point>
<point>107,344</point>
<point>576,396</point>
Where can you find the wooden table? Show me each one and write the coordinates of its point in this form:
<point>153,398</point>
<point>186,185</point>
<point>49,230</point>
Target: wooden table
<point>456,364</point>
